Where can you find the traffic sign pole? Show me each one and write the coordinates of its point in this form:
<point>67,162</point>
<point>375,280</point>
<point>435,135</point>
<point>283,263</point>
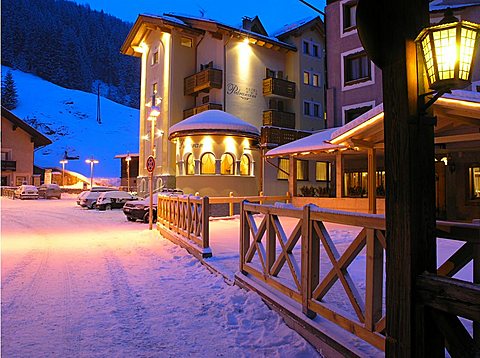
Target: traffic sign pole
<point>150,168</point>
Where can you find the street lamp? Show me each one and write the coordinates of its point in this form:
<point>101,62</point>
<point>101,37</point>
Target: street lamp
<point>448,51</point>
<point>127,160</point>
<point>91,161</point>
<point>63,162</point>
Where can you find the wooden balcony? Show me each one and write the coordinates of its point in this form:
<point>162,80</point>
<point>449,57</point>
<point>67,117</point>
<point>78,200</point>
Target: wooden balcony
<point>278,87</point>
<point>203,81</point>
<point>9,165</point>
<point>276,118</point>
<point>274,136</point>
<point>204,107</point>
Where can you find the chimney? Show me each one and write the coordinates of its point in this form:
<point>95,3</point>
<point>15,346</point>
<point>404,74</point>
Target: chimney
<point>246,23</point>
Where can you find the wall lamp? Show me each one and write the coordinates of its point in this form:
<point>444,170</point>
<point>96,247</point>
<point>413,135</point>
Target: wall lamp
<point>448,51</point>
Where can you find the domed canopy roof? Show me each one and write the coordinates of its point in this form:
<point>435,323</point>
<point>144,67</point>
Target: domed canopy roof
<point>213,122</point>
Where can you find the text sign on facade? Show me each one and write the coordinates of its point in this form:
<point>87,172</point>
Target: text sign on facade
<point>150,164</point>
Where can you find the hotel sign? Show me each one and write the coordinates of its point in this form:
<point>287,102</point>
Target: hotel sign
<point>245,93</point>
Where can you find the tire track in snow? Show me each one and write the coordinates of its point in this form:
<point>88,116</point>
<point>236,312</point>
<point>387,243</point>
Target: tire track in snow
<point>129,311</point>
<point>29,291</point>
<point>19,268</point>
<point>71,335</point>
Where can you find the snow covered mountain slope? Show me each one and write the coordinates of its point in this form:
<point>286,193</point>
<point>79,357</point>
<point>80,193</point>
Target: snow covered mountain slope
<point>69,119</point>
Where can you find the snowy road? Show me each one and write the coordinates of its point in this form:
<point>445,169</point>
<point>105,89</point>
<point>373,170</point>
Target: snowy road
<point>78,283</point>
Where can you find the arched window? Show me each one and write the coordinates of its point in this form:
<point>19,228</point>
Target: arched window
<point>227,167</point>
<point>190,165</point>
<point>244,165</point>
<point>208,164</point>
<point>143,186</point>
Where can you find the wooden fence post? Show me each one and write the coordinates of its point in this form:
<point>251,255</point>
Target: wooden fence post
<point>244,236</point>
<point>270,244</point>
<point>287,200</point>
<point>230,205</point>
<point>310,261</point>
<point>261,201</point>
<point>189,218</point>
<point>205,222</point>
<point>374,281</point>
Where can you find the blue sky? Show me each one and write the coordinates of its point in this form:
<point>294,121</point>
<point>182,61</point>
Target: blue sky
<point>273,13</point>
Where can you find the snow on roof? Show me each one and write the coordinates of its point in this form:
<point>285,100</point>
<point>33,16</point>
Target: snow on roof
<point>438,5</point>
<point>126,155</point>
<point>312,143</point>
<point>357,121</point>
<point>293,26</point>
<point>461,95</point>
<point>167,18</point>
<point>213,120</point>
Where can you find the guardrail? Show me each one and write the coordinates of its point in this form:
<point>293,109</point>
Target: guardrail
<point>290,265</point>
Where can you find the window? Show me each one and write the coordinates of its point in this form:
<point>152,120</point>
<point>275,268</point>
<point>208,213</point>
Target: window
<point>207,164</point>
<point>185,41</point>
<point>155,58</point>
<point>474,179</point>
<point>306,48</point>
<point>306,77</point>
<point>19,180</point>
<point>353,113</point>
<point>323,171</point>
<point>315,110</point>
<point>302,169</point>
<point>226,165</point>
<point>270,73</point>
<point>155,88</point>
<point>349,16</point>
<point>190,165</point>
<point>244,165</point>
<point>315,80</point>
<point>4,156</point>
<point>315,50</point>
<point>356,68</point>
<point>306,108</point>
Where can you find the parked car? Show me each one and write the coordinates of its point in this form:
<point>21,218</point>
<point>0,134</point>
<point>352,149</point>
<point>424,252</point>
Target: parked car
<point>113,199</point>
<point>26,192</point>
<point>94,189</point>
<point>139,209</point>
<point>48,191</point>
<point>89,199</point>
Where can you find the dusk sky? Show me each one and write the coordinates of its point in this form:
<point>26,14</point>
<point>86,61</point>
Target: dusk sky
<point>273,13</point>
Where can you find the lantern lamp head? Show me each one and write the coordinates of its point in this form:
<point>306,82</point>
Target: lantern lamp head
<point>448,52</point>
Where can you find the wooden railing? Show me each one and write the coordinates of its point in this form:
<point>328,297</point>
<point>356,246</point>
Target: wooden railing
<point>203,80</point>
<point>273,117</point>
<point>231,200</point>
<point>273,136</point>
<point>290,264</point>
<point>199,109</point>
<point>186,216</point>
<point>278,87</point>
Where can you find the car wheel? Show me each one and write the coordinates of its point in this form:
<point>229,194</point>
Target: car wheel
<point>145,217</point>
<point>93,206</point>
<point>108,207</point>
<point>131,219</point>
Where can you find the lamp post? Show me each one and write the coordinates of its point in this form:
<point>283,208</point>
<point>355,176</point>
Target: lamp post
<point>127,160</point>
<point>63,162</point>
<point>154,113</point>
<point>92,162</point>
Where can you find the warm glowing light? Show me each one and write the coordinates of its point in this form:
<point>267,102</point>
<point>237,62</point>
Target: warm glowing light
<point>128,158</point>
<point>155,111</point>
<point>448,51</point>
<point>245,53</point>
<point>151,118</point>
<point>354,130</point>
<point>230,144</point>
<point>145,137</point>
<point>91,161</point>
<point>473,105</point>
<point>207,144</point>
<point>159,133</point>
<point>141,48</point>
<point>246,40</point>
<point>444,160</point>
<point>63,161</point>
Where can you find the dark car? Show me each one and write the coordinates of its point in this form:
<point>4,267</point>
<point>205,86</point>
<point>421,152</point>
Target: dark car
<point>139,209</point>
<point>48,191</point>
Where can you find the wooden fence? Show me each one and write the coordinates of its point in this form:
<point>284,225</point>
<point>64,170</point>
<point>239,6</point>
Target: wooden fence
<point>265,249</point>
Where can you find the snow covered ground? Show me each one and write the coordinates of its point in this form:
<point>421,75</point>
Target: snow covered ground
<point>69,118</point>
<point>89,283</point>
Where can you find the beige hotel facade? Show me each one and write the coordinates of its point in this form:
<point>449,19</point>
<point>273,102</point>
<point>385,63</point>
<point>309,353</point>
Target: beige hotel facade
<point>273,82</point>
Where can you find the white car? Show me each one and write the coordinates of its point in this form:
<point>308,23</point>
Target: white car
<point>94,189</point>
<point>113,199</point>
<point>89,199</point>
<point>26,192</point>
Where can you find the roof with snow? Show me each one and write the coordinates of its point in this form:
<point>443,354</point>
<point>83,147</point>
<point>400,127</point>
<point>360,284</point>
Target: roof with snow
<point>213,122</point>
<point>450,110</point>
<point>297,26</point>
<point>39,140</point>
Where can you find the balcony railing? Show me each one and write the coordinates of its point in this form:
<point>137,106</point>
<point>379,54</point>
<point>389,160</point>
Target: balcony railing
<point>273,136</point>
<point>9,165</point>
<point>203,81</point>
<point>204,107</point>
<point>273,117</point>
<point>278,87</point>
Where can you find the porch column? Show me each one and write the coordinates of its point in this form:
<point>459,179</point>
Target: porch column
<point>372,181</point>
<point>338,174</point>
<point>292,176</point>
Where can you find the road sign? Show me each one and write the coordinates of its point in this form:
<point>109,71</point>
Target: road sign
<point>150,164</point>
